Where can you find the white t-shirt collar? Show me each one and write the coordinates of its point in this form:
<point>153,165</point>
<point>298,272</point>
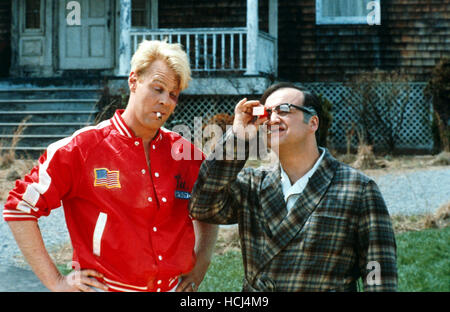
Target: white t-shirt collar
<point>301,183</point>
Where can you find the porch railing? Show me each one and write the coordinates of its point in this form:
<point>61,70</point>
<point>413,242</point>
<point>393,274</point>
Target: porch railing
<point>213,49</point>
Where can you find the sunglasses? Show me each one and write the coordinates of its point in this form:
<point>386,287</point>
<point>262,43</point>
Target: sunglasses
<point>285,108</point>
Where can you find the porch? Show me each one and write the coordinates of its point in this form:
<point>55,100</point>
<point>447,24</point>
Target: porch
<point>217,49</point>
<point>247,51</point>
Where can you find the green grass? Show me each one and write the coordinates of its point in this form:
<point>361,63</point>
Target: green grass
<point>63,269</point>
<point>224,274</point>
<point>423,261</point>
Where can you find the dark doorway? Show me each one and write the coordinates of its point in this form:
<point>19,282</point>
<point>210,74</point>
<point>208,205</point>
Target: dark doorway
<point>5,37</point>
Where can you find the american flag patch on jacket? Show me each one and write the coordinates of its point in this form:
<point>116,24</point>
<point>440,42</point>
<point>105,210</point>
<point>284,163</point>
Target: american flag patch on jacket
<point>104,177</point>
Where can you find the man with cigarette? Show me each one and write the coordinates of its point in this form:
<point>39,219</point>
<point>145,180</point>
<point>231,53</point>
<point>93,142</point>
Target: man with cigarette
<point>125,197</point>
<point>310,223</point>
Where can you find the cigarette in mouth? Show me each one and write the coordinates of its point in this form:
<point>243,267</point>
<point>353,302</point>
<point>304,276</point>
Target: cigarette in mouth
<point>158,115</point>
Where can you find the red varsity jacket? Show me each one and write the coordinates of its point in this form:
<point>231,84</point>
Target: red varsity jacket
<point>125,220</point>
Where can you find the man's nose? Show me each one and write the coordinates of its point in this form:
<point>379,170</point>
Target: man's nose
<point>273,118</point>
<point>164,99</point>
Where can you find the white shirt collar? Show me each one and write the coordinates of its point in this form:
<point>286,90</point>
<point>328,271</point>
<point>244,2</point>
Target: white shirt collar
<point>301,183</point>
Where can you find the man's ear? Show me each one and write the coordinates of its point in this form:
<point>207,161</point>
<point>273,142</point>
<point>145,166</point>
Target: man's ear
<point>132,81</point>
<point>314,123</point>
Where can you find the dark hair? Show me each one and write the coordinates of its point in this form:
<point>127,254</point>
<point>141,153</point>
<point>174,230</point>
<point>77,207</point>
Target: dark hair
<point>310,99</point>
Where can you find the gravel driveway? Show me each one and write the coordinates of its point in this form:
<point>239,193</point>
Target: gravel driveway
<point>414,192</point>
<point>22,279</point>
<point>53,229</point>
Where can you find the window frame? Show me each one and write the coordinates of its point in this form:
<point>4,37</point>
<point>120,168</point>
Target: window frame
<point>342,20</point>
<point>147,12</point>
<point>24,28</point>
<point>152,15</point>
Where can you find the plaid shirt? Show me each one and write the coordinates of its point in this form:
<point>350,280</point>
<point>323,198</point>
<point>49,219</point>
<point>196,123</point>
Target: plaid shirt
<point>336,229</point>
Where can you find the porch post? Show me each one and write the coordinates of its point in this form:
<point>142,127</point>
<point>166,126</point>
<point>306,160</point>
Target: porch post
<point>273,31</point>
<point>124,39</point>
<point>154,14</point>
<point>252,37</point>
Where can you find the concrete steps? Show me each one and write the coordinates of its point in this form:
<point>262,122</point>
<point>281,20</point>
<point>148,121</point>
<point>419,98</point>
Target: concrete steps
<point>50,114</point>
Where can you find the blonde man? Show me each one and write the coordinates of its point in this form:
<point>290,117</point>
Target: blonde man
<point>124,196</point>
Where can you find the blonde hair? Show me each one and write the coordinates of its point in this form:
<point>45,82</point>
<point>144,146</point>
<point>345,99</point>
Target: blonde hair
<point>171,53</point>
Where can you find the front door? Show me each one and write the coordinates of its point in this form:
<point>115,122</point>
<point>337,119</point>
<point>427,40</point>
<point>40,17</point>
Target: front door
<point>85,34</point>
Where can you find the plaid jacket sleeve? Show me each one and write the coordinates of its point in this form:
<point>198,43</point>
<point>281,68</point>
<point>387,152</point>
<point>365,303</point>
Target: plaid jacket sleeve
<point>221,183</point>
<point>376,242</point>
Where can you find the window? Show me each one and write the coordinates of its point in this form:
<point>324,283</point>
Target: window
<point>139,13</point>
<point>33,14</point>
<point>348,12</point>
<point>144,13</point>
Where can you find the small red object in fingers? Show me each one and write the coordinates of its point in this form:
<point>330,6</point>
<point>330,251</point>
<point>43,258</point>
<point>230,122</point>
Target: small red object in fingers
<point>260,111</point>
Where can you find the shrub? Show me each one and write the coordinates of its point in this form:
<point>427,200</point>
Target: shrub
<point>327,118</point>
<point>439,88</point>
<point>378,100</point>
<point>7,158</point>
<point>108,104</point>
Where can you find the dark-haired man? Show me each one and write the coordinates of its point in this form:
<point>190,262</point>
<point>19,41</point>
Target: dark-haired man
<point>310,223</point>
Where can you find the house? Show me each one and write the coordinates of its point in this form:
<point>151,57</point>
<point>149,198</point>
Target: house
<point>59,55</point>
